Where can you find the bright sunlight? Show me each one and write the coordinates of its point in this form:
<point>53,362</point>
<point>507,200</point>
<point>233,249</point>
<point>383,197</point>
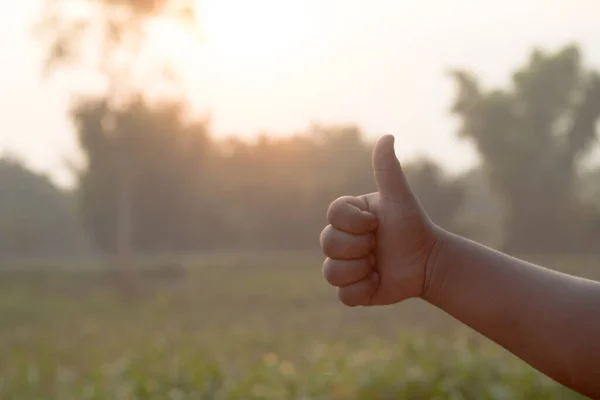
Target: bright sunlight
<point>254,39</point>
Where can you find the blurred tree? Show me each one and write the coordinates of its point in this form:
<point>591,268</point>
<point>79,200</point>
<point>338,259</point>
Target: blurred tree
<point>531,138</point>
<point>37,219</point>
<point>590,187</point>
<point>109,37</point>
<point>171,209</point>
<point>441,196</point>
<point>275,191</point>
<point>278,189</point>
<point>481,216</point>
<point>590,193</point>
<point>156,182</point>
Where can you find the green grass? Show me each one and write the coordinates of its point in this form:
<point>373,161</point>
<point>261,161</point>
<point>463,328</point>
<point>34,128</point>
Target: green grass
<point>240,326</point>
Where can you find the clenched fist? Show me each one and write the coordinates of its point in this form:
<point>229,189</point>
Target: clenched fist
<point>379,245</point>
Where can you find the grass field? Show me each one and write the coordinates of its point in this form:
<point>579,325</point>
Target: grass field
<point>240,326</point>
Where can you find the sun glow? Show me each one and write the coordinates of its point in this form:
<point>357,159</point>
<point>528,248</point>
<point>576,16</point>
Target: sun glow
<point>254,39</point>
<point>254,36</point>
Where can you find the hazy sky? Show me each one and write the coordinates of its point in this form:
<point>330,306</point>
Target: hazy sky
<point>281,64</point>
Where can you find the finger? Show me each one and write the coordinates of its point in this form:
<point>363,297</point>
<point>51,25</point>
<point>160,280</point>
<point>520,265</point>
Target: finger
<point>345,272</point>
<point>391,181</point>
<point>349,214</point>
<point>361,292</point>
<point>345,246</point>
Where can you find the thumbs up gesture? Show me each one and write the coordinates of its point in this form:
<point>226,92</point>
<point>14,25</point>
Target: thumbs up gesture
<point>379,246</point>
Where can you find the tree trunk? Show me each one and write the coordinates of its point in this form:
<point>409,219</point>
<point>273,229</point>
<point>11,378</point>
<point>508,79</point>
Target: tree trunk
<point>124,223</point>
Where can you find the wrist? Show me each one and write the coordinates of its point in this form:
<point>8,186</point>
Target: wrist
<point>437,266</point>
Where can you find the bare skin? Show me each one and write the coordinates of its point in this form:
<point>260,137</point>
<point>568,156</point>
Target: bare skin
<point>382,248</point>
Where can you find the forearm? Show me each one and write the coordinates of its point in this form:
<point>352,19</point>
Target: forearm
<point>548,319</point>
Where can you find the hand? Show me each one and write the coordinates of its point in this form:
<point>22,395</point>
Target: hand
<point>378,245</point>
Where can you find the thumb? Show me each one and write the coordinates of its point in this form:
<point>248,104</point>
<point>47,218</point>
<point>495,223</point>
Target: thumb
<point>389,176</point>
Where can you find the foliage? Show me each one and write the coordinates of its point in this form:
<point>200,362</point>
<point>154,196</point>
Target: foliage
<point>531,137</point>
<point>191,192</point>
<point>106,35</point>
<point>413,369</point>
<point>481,216</point>
<point>36,218</point>
<point>174,344</point>
<point>165,159</point>
<point>590,187</point>
<point>241,326</point>
<point>110,37</point>
<point>441,196</point>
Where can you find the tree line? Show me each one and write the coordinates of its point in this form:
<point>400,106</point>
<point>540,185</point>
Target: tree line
<point>192,192</point>
<point>156,180</point>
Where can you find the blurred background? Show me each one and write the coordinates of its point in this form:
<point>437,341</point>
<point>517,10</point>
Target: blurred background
<point>166,166</point>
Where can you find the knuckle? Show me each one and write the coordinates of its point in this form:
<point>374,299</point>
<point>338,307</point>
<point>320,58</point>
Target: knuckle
<point>329,272</point>
<point>337,209</point>
<point>341,245</point>
<point>328,240</point>
<point>345,272</point>
<point>322,235</point>
<point>348,297</point>
<point>334,207</point>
